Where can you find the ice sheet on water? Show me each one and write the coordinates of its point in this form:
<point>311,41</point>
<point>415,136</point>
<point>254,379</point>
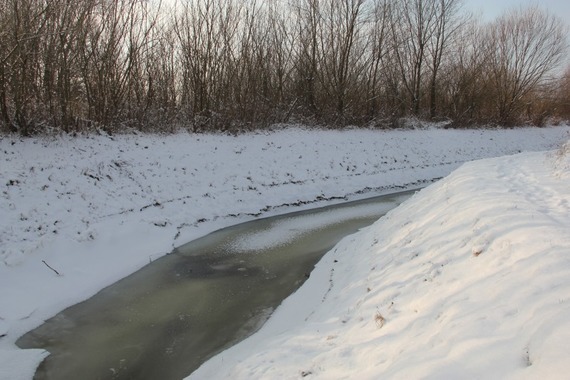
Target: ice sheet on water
<point>288,230</point>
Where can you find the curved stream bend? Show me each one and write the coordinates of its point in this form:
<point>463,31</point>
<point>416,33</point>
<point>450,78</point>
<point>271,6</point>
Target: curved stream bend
<point>168,318</point>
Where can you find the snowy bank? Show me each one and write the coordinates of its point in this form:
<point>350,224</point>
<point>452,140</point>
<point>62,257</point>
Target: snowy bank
<point>81,213</point>
<point>470,278</point>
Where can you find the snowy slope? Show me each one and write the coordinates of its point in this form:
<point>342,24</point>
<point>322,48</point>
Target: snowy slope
<point>97,208</point>
<point>468,279</point>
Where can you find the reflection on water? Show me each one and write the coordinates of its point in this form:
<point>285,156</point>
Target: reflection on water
<point>165,320</point>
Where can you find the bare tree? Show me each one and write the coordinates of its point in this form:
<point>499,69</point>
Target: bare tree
<point>412,27</point>
<point>377,50</point>
<point>465,89</point>
<point>219,64</point>
<point>161,69</point>
<point>563,95</point>
<point>447,24</point>
<point>526,46</point>
<point>308,55</point>
<point>207,32</point>
<point>281,42</point>
<point>65,29</point>
<point>6,52</point>
<point>23,24</point>
<point>342,52</point>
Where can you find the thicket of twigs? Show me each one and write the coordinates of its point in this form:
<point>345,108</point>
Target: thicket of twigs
<point>234,64</point>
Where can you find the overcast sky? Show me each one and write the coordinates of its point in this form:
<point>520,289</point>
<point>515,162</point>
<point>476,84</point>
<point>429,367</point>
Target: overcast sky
<point>490,9</point>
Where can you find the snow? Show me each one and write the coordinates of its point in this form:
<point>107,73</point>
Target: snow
<point>468,279</point>
<point>289,229</point>
<point>471,269</point>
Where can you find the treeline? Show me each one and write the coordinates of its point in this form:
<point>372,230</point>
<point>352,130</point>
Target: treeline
<point>235,64</point>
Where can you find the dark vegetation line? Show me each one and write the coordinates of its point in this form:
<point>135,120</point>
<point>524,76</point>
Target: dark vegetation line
<point>233,65</point>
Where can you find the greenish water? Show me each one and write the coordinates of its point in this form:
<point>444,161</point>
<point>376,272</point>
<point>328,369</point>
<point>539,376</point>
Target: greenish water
<point>168,318</point>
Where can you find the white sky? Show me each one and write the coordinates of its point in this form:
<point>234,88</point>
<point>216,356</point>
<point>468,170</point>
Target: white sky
<point>493,8</point>
<point>490,9</point>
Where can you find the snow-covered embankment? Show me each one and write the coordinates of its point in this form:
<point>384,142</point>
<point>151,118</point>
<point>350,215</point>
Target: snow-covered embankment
<point>97,208</point>
<point>468,279</point>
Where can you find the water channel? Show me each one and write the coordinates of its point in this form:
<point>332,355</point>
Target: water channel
<point>168,318</point>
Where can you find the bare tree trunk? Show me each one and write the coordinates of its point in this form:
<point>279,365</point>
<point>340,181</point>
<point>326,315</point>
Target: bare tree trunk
<point>309,19</point>
<point>412,27</point>
<point>447,23</point>
<point>378,50</point>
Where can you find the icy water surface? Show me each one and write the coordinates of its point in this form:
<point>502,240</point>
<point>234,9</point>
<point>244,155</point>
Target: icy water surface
<point>168,318</point>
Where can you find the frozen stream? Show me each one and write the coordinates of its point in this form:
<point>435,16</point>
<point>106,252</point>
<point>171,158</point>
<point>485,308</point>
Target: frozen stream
<point>165,320</point>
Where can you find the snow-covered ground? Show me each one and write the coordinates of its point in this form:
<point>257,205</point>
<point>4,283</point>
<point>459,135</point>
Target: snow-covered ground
<point>469,279</point>
<point>466,278</point>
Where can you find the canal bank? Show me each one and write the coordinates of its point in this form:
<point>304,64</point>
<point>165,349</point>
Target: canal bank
<point>97,208</point>
<point>168,318</point>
